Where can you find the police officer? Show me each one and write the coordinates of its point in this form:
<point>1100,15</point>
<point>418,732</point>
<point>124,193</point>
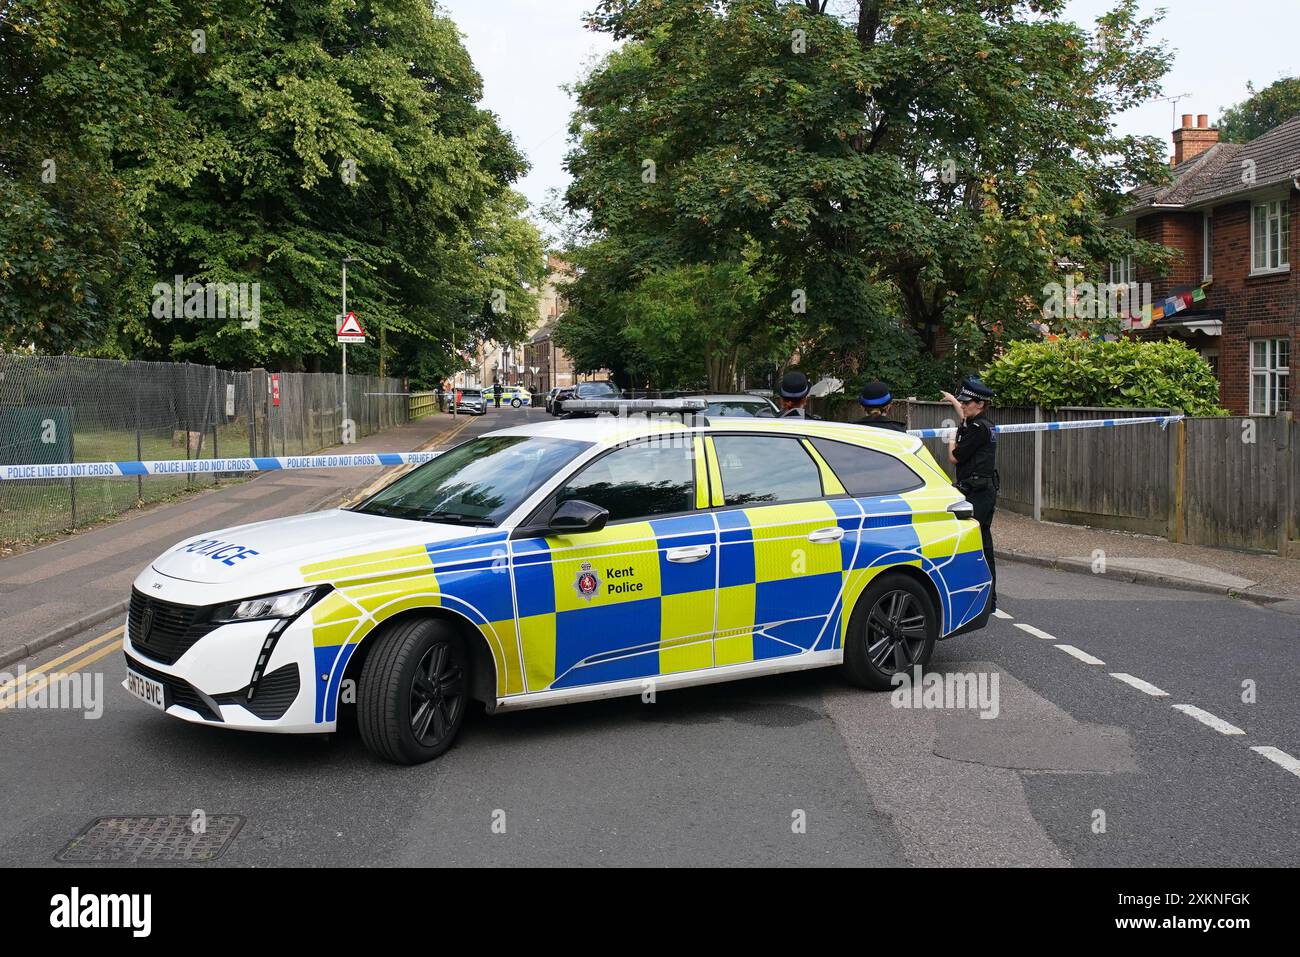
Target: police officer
<point>879,403</point>
<point>794,391</point>
<point>496,393</point>
<point>974,452</point>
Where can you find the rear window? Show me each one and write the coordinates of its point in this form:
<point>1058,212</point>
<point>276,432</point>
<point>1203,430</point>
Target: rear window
<point>866,472</point>
<point>597,390</point>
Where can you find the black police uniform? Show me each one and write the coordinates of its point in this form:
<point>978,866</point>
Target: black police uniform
<point>880,422</point>
<point>977,477</point>
<point>496,394</point>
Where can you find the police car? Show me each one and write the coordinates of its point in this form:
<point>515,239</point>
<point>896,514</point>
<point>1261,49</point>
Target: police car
<point>560,562</point>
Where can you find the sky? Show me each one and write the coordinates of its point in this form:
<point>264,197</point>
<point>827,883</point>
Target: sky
<point>527,50</point>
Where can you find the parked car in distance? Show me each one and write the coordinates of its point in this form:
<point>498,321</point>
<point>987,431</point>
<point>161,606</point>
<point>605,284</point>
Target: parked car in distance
<point>550,397</point>
<point>740,405</point>
<point>472,402</point>
<point>600,389</point>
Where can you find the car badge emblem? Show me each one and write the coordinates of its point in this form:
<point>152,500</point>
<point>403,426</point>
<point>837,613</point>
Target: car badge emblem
<point>588,582</point>
<point>146,624</point>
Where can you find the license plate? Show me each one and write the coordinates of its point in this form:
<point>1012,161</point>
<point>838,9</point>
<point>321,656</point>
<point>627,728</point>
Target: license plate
<point>146,689</point>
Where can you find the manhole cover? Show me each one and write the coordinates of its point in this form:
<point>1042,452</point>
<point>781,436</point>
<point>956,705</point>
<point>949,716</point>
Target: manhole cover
<point>152,840</point>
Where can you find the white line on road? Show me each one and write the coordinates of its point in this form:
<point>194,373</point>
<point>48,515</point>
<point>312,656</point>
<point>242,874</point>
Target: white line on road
<point>1143,686</point>
<point>1083,656</point>
<point>1209,720</point>
<point>1001,614</point>
<point>1280,758</point>
<point>1036,633</point>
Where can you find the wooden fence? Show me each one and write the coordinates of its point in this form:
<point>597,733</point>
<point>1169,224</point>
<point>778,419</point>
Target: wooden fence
<point>1231,482</point>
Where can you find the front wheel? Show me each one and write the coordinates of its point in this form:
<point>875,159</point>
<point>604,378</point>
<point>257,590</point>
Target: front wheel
<point>413,692</point>
<point>892,630</point>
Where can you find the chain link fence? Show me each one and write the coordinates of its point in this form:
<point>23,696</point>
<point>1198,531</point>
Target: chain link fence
<point>62,409</point>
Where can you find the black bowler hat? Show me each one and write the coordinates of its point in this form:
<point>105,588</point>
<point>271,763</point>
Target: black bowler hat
<point>973,390</point>
<point>875,395</point>
<point>794,385</point>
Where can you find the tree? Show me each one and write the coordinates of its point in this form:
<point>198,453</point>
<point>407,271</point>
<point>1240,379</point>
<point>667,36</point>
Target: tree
<point>245,141</point>
<point>938,159</point>
<point>1261,111</point>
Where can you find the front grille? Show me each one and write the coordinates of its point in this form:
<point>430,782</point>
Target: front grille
<point>177,690</point>
<point>173,629</point>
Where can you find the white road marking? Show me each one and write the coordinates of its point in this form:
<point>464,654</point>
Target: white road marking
<point>1001,614</point>
<point>1209,720</point>
<point>1280,758</point>
<point>1083,656</point>
<point>1036,633</point>
<point>1143,686</point>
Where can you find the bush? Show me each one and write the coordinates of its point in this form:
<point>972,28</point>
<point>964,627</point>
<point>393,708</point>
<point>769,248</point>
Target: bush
<point>1092,372</point>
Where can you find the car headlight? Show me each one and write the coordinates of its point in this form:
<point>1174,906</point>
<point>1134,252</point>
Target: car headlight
<point>288,604</point>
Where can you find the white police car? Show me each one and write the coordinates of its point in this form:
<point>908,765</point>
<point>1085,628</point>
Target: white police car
<point>561,562</point>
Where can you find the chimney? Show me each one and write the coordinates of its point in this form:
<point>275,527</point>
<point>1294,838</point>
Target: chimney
<point>1191,141</point>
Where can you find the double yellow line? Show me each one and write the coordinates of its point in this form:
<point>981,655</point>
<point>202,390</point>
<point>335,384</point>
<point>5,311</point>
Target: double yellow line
<point>16,689</point>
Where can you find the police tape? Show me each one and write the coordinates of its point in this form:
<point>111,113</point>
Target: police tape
<point>83,470</point>
<point>1164,421</point>
<point>75,470</point>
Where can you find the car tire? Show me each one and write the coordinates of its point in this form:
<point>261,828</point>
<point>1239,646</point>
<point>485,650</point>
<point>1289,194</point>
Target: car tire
<point>413,692</point>
<point>897,611</point>
<point>516,403</point>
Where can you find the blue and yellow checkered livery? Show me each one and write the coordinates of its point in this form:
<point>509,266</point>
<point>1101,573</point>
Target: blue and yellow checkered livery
<point>708,589</point>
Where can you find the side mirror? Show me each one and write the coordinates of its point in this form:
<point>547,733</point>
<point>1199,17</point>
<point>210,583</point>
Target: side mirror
<point>962,509</point>
<point>576,516</point>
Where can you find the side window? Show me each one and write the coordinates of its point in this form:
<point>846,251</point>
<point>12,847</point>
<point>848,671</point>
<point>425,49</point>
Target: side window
<point>638,481</point>
<point>761,470</point>
<point>866,472</point>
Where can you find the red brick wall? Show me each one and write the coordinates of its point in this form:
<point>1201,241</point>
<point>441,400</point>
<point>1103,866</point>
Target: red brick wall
<point>1254,306</point>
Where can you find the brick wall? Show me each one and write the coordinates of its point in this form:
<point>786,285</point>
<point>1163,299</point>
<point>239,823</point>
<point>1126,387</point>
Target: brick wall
<point>1254,306</point>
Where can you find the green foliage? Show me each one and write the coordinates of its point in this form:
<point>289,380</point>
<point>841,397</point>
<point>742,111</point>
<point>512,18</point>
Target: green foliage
<point>1092,372</point>
<point>285,137</point>
<point>1261,110</point>
<point>915,163</point>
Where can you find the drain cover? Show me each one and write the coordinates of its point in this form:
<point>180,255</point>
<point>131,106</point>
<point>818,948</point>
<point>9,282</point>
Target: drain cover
<point>151,840</point>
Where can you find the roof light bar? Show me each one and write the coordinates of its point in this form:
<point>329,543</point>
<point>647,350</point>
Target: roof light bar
<point>636,406</point>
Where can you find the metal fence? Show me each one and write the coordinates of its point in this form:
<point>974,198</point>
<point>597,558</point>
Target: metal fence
<point>59,409</point>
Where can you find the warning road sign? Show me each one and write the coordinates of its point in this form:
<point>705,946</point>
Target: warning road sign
<point>350,329</point>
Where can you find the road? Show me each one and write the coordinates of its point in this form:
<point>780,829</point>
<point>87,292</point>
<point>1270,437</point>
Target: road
<point>1077,768</point>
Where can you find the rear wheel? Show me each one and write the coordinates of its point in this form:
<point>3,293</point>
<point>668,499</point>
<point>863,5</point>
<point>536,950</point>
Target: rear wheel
<point>413,692</point>
<point>516,403</point>
<point>892,630</point>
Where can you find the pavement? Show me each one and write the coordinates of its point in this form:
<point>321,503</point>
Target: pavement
<point>60,589</point>
<point>1143,558</point>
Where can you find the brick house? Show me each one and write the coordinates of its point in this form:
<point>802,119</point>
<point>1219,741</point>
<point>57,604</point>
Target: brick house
<point>1228,212</point>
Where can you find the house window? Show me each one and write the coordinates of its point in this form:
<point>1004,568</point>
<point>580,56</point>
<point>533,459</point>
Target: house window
<point>1121,271</point>
<point>1271,237</point>
<point>1270,376</point>
<point>1207,246</point>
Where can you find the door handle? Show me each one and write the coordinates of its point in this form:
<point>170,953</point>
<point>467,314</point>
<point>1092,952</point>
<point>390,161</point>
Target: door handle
<point>825,536</point>
<point>689,553</point>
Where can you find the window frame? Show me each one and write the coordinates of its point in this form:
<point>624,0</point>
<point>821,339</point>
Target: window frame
<point>1207,245</point>
<point>920,480</point>
<point>798,439</point>
<point>1271,371</point>
<point>537,522</point>
<point>1278,225</point>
